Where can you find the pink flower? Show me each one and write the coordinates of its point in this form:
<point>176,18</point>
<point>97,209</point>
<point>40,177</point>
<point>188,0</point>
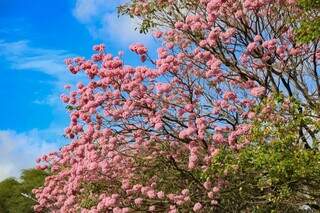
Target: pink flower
<point>228,34</point>
<point>170,45</point>
<point>207,185</point>
<point>160,195</point>
<point>295,51</point>
<point>70,200</point>
<point>218,138</point>
<point>152,208</point>
<point>99,47</point>
<point>109,201</point>
<point>229,95</point>
<point>140,49</point>
<point>214,202</point>
<point>187,132</point>
<point>210,195</point>
<point>163,87</point>
<point>197,207</point>
<point>67,86</point>
<point>270,44</point>
<point>257,91</point>
<point>191,165</point>
<point>216,189</point>
<point>158,125</point>
<point>138,201</point>
<point>185,191</point>
<point>178,25</point>
<point>151,194</point>
<point>251,115</point>
<point>157,34</point>
<point>257,38</point>
<point>65,98</point>
<point>251,47</point>
<point>188,107</point>
<point>125,210</point>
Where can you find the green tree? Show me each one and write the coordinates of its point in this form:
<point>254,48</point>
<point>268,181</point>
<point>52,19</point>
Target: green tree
<point>12,199</point>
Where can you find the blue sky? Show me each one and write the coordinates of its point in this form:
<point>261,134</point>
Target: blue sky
<point>35,38</point>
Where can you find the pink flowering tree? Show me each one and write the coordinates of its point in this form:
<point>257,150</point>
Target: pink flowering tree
<point>143,139</point>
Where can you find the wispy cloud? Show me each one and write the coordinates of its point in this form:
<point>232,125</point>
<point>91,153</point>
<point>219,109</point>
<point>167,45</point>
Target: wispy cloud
<point>19,150</point>
<point>23,56</point>
<point>102,21</point>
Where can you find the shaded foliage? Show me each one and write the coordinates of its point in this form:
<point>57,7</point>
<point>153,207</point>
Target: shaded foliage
<point>11,198</point>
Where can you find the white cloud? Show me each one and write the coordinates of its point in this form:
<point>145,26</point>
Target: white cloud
<point>86,10</point>
<point>22,56</point>
<point>20,150</point>
<point>121,30</point>
<point>102,21</point>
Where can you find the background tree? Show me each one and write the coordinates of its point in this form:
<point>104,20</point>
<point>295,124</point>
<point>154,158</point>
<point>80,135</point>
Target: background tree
<point>11,198</point>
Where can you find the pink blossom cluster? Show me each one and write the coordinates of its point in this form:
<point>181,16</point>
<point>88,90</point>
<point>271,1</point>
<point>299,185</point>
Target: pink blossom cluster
<point>141,50</point>
<point>100,151</point>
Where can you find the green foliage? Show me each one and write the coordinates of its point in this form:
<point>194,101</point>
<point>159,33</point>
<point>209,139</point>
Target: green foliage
<point>309,4</point>
<point>265,177</point>
<point>274,173</point>
<point>145,26</point>
<point>90,190</point>
<point>11,199</point>
<point>309,29</point>
<point>71,108</point>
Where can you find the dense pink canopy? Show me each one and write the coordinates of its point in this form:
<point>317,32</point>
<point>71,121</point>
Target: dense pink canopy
<point>218,60</point>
